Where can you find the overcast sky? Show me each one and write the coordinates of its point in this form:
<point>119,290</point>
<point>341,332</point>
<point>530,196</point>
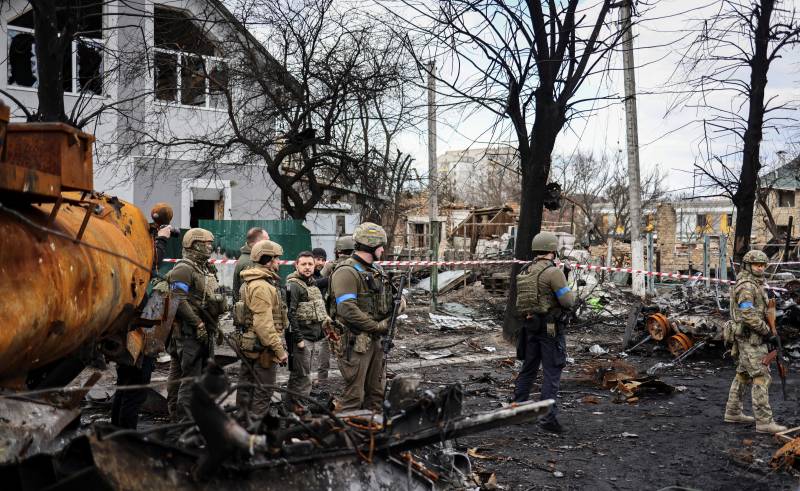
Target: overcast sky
<point>670,141</point>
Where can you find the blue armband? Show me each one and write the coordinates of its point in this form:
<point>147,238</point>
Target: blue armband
<point>562,291</point>
<point>746,305</point>
<point>179,285</point>
<point>345,297</point>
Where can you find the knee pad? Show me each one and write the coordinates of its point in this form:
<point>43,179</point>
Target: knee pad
<point>761,380</point>
<point>743,378</point>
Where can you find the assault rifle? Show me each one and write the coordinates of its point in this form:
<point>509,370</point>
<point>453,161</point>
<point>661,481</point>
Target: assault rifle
<point>388,340</point>
<point>775,355</point>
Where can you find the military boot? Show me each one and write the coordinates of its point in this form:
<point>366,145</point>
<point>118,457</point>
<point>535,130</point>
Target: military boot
<point>771,427</point>
<point>738,418</point>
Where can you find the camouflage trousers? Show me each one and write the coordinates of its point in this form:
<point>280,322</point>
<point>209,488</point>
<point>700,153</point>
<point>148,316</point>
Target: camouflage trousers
<point>750,371</point>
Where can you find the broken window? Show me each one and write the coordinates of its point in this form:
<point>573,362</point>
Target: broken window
<point>702,221</point>
<point>83,62</point>
<point>785,198</point>
<point>187,72</point>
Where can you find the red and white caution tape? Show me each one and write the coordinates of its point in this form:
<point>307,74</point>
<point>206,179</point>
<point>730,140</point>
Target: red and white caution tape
<point>500,262</point>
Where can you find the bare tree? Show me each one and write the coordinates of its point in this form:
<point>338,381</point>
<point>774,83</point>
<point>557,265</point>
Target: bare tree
<point>728,64</point>
<point>62,29</point>
<point>524,63</point>
<point>292,109</point>
<point>583,179</point>
<point>617,195</point>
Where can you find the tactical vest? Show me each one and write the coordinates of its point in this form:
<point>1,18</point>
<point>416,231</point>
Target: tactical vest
<point>330,302</point>
<point>207,298</point>
<point>737,329</point>
<point>531,299</point>
<point>242,315</point>
<point>375,295</point>
<point>311,310</point>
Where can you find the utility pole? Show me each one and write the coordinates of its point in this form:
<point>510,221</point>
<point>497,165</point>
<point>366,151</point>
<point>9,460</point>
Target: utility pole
<point>433,182</point>
<point>632,131</point>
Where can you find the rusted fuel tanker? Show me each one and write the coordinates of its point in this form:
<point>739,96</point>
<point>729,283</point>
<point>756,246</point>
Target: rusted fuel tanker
<point>74,265</point>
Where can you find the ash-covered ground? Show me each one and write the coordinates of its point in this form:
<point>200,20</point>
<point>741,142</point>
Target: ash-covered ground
<point>651,440</point>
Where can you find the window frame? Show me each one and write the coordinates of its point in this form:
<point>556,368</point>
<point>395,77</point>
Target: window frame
<point>74,90</point>
<point>179,79</point>
<point>784,193</point>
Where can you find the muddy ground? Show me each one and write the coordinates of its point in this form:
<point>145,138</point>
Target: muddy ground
<point>656,442</point>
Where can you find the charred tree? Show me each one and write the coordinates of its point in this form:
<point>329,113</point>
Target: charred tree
<point>732,55</point>
<point>531,60</point>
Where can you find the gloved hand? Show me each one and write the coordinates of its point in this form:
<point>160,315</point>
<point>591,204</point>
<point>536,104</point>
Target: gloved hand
<point>383,327</point>
<point>402,307</point>
<point>551,329</point>
<point>773,340</point>
<point>201,333</point>
<point>220,337</point>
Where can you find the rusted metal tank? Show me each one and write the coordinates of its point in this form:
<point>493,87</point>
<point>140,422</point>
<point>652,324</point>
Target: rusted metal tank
<point>58,293</point>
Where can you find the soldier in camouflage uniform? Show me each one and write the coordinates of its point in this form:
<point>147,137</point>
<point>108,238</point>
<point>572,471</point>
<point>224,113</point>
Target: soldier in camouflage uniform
<point>363,296</point>
<point>542,297</point>
<point>344,249</point>
<point>307,313</point>
<point>194,284</point>
<point>262,310</point>
<point>750,332</point>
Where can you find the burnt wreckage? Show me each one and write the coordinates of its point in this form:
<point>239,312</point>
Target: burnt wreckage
<point>96,252</point>
<point>406,445</point>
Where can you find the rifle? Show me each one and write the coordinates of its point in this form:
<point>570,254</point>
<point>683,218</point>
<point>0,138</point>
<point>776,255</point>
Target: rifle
<point>289,335</point>
<point>775,355</point>
<point>388,340</point>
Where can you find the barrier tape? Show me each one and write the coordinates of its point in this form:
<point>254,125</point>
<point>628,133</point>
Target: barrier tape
<point>588,267</point>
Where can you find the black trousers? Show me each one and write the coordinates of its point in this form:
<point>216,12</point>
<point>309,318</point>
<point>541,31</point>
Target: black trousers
<point>536,348</point>
<point>126,403</point>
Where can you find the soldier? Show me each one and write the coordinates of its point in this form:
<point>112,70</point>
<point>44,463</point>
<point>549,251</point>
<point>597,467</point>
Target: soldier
<point>542,298</point>
<point>363,296</point>
<point>750,332</point>
<point>264,317</point>
<point>194,283</point>
<point>255,234</point>
<point>307,313</point>
<point>344,249</point>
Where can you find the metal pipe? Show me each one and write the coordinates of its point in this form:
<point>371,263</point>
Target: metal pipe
<point>59,293</point>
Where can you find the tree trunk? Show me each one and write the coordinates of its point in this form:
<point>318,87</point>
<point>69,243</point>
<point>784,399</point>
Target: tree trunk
<point>535,172</point>
<point>745,196</point>
<point>52,46</point>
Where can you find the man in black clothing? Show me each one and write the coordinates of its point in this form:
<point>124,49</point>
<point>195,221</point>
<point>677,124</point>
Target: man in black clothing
<point>126,403</point>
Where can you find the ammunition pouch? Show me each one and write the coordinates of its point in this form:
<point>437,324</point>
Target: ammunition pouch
<point>249,344</point>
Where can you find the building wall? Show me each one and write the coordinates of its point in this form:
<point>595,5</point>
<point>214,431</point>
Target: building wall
<point>123,174</point>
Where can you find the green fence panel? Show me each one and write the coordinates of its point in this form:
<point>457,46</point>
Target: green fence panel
<point>230,235</point>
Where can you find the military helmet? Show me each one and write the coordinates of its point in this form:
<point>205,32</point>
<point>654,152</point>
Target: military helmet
<point>755,256</point>
<point>161,213</point>
<point>345,243</point>
<point>196,234</point>
<point>544,242</point>
<point>370,235</point>
<point>265,248</point>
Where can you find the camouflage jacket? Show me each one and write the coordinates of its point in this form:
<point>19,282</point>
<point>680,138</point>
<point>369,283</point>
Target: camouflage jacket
<point>748,306</point>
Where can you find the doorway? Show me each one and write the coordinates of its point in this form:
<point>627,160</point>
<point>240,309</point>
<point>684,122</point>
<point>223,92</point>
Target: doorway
<point>202,209</point>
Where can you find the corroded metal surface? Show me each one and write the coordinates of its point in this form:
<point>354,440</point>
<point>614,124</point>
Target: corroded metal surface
<point>57,293</point>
